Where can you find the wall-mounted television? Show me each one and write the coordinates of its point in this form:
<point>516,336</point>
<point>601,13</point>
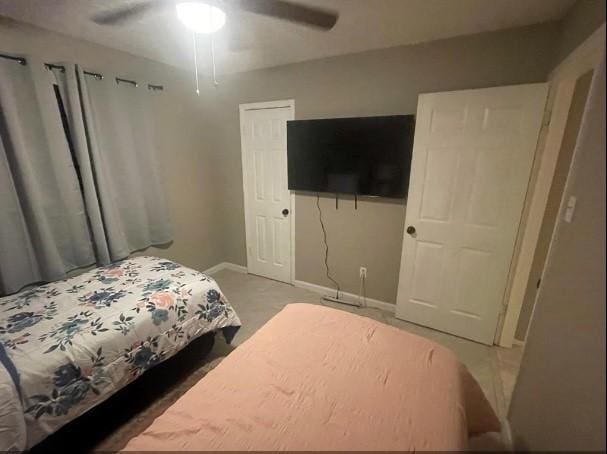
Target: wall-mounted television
<point>368,156</point>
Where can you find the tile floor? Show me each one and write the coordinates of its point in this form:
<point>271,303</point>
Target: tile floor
<point>257,300</point>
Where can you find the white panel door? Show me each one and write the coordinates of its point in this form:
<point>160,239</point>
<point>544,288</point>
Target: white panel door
<point>267,199</point>
<point>472,158</point>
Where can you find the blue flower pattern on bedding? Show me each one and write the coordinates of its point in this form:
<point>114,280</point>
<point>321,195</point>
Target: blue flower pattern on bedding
<point>133,314</point>
<point>71,387</point>
<point>213,308</point>
<point>143,355</point>
<point>104,297</point>
<point>75,324</point>
<point>26,319</point>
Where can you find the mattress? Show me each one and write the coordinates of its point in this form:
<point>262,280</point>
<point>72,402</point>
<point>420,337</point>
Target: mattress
<point>69,345</point>
<point>315,378</point>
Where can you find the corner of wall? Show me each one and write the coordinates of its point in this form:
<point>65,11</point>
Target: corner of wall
<point>582,19</point>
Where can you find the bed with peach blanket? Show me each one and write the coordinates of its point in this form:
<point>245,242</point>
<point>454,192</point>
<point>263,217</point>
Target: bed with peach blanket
<point>315,378</point>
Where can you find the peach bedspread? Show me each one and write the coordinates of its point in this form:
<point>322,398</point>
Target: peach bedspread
<point>315,378</point>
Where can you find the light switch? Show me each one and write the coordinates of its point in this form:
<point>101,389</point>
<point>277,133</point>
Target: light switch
<point>570,208</point>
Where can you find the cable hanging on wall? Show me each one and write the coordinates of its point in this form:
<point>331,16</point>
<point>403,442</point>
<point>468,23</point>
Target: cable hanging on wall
<point>324,233</point>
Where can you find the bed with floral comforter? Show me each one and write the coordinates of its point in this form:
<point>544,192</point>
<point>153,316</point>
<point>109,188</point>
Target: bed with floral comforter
<point>68,345</point>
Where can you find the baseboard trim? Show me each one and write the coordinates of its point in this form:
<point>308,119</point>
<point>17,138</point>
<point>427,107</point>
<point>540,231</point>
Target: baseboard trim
<point>518,343</point>
<point>506,435</point>
<point>350,297</point>
<point>226,266</point>
<point>321,290</point>
<point>235,267</point>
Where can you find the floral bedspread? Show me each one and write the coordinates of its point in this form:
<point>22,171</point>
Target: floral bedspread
<point>75,342</point>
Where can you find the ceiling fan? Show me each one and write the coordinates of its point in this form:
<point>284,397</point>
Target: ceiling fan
<point>208,16</point>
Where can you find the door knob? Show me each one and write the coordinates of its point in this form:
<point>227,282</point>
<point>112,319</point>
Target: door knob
<point>410,230</point>
<point>285,212</point>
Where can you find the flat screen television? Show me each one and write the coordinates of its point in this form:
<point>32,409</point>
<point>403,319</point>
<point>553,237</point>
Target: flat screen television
<point>369,156</point>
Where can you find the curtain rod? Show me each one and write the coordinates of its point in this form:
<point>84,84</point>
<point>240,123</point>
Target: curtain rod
<point>95,75</point>
<point>21,60</point>
<point>51,66</point>
<point>127,81</point>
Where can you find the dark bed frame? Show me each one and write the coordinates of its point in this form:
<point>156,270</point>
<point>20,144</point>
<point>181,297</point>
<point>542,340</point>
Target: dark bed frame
<point>86,431</point>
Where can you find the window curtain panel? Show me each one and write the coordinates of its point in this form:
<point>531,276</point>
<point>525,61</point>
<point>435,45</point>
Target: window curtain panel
<point>113,139</point>
<point>43,225</point>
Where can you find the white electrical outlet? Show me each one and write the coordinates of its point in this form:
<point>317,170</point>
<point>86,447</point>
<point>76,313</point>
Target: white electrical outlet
<point>363,272</point>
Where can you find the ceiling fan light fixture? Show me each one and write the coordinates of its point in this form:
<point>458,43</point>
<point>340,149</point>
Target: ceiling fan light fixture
<point>201,17</point>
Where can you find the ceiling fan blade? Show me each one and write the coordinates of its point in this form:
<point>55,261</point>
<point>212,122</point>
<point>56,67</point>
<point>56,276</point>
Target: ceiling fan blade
<point>292,12</point>
<point>120,15</point>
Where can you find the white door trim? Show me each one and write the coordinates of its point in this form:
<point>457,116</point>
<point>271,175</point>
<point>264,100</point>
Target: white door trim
<point>563,79</point>
<point>242,108</point>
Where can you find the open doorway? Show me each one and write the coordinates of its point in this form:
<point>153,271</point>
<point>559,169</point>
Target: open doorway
<point>569,92</point>
<point>572,129</point>
<point>570,84</point>
<point>509,358</point>
<point>566,101</point>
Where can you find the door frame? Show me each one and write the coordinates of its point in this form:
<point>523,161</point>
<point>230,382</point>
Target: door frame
<point>586,57</point>
<point>242,108</point>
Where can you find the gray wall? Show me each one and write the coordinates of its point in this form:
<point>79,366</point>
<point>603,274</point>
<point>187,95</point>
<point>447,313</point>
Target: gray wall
<point>183,122</point>
<point>372,83</point>
<point>200,138</point>
<point>580,21</point>
<point>559,399</point>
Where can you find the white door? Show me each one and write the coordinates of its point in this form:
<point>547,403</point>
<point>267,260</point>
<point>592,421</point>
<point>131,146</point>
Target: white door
<point>472,158</point>
<point>268,210</point>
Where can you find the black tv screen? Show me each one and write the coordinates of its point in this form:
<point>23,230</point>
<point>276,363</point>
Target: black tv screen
<point>368,156</point>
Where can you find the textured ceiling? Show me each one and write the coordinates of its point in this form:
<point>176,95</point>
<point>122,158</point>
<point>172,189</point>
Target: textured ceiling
<point>250,42</point>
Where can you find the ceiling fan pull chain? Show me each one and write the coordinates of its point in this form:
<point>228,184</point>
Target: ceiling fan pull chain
<point>196,64</point>
<point>213,61</point>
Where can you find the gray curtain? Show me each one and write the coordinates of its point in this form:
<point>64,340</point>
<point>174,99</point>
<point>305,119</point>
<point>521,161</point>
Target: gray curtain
<point>43,225</point>
<point>113,140</point>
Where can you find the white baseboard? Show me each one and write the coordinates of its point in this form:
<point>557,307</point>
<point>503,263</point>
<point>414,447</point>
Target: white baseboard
<point>518,343</point>
<point>349,297</point>
<point>234,267</point>
<point>506,435</point>
<point>226,266</point>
